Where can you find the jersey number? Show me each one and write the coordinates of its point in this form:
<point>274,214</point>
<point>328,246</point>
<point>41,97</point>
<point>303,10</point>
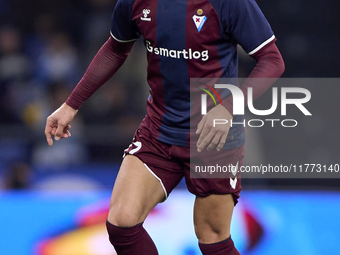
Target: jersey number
<point>138,147</point>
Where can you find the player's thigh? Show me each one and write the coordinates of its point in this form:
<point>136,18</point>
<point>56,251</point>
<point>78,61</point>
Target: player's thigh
<point>135,193</point>
<point>212,217</point>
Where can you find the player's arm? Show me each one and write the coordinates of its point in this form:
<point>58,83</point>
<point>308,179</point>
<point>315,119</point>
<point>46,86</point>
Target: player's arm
<point>104,65</point>
<point>248,26</point>
<point>270,66</point>
<point>268,69</point>
<point>106,62</point>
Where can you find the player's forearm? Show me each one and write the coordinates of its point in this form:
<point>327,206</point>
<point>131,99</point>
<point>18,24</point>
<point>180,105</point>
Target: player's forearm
<point>269,68</point>
<point>107,61</point>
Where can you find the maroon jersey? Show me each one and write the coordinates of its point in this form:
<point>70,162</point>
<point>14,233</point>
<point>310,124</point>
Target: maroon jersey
<point>188,39</point>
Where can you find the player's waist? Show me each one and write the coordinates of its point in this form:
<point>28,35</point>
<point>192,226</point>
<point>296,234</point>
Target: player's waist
<point>185,135</point>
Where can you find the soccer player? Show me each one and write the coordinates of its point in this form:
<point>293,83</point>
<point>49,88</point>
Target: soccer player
<point>184,39</point>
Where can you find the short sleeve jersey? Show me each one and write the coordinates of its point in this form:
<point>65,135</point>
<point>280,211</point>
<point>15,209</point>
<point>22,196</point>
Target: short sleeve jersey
<point>188,39</point>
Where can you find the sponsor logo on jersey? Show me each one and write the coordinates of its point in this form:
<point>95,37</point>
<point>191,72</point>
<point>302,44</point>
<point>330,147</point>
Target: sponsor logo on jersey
<point>145,17</point>
<point>199,20</point>
<point>185,53</point>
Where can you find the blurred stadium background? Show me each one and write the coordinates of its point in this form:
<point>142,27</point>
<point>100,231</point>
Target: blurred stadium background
<point>54,200</point>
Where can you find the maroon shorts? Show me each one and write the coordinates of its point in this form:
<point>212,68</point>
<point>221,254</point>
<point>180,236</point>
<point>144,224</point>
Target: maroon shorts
<point>170,163</point>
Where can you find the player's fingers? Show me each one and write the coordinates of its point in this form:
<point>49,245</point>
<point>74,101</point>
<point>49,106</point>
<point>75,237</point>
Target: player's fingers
<point>215,141</point>
<point>67,131</point>
<point>201,125</point>
<point>48,135</point>
<point>206,140</point>
<point>66,134</point>
<point>60,131</point>
<point>222,141</point>
<point>205,131</point>
<point>53,131</point>
<point>66,128</point>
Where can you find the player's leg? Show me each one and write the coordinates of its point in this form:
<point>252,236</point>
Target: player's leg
<point>136,192</point>
<point>216,195</point>
<point>212,219</point>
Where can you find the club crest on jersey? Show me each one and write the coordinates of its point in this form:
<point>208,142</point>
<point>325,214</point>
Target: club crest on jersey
<point>145,17</point>
<point>199,20</point>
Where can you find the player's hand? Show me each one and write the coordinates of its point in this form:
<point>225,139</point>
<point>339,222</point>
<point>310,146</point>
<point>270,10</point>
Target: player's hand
<point>210,136</point>
<point>57,124</point>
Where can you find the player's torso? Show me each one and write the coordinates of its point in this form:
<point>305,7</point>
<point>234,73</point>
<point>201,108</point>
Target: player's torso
<point>184,39</point>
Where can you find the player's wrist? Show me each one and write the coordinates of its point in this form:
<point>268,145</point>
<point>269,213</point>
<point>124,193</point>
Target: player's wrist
<point>69,108</point>
<point>228,105</point>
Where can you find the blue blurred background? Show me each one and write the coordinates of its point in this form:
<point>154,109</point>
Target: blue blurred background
<point>47,193</point>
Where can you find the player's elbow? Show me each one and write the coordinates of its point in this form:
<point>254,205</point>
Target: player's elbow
<point>276,64</point>
<point>271,59</point>
<point>280,66</point>
<point>276,61</point>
